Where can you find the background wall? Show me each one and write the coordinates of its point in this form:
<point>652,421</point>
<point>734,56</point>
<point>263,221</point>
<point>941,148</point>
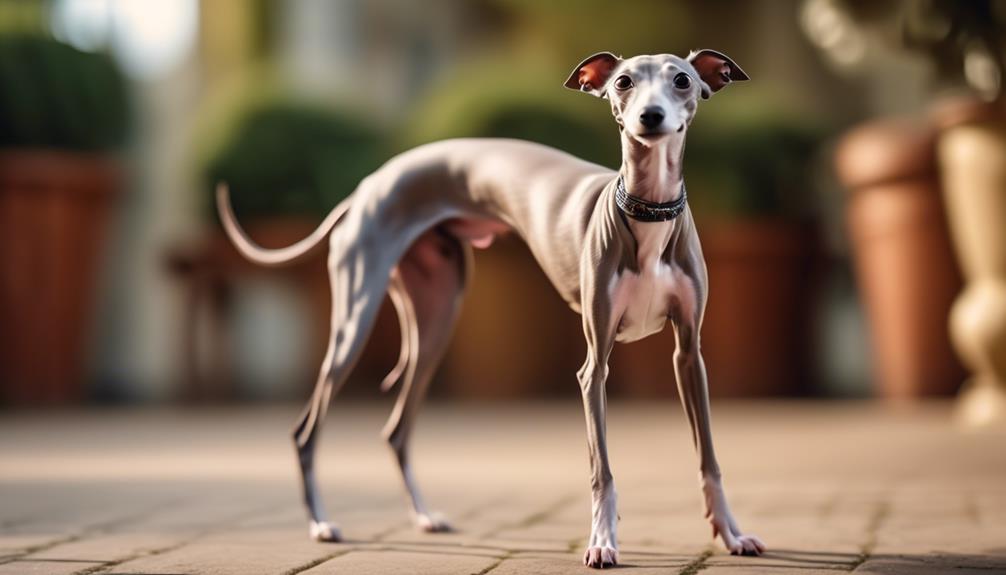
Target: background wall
<point>410,72</point>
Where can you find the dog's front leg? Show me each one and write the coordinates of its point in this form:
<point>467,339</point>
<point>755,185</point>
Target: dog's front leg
<point>602,549</point>
<point>693,389</point>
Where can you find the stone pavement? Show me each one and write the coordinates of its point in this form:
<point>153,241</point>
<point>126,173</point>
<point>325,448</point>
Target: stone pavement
<point>830,487</point>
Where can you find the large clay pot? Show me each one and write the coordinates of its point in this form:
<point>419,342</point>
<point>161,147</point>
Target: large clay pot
<point>515,338</point>
<point>904,265</point>
<point>54,212</point>
<point>756,334</point>
<point>757,337</point>
<point>972,154</point>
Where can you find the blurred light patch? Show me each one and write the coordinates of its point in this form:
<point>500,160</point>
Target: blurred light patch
<point>83,24</point>
<point>829,26</point>
<point>151,38</point>
<point>148,38</point>
<point>981,71</point>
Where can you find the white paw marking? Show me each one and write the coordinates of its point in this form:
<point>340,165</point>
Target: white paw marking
<point>746,545</point>
<point>600,557</point>
<point>432,523</point>
<point>325,531</point>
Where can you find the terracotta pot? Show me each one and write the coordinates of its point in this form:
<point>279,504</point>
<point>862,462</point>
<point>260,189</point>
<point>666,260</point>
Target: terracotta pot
<point>905,268</point>
<point>515,338</point>
<point>756,337</point>
<point>644,368</point>
<point>756,331</point>
<point>54,211</point>
<point>972,154</point>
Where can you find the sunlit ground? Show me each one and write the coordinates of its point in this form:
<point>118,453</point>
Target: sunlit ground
<point>847,486</point>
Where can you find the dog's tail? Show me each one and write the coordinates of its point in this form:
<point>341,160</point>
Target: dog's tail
<point>273,257</point>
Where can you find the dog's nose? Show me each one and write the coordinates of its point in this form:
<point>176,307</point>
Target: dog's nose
<point>651,117</point>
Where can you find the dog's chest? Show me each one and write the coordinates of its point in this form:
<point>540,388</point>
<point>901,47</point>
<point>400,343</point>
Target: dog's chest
<point>641,299</point>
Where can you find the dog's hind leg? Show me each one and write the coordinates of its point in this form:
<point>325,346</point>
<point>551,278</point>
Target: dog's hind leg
<point>406,323</point>
<point>433,274</point>
<point>358,281</point>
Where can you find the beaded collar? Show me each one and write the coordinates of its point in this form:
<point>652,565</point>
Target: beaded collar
<point>646,211</point>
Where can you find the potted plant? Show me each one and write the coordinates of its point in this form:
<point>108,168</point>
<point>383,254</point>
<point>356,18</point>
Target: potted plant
<point>63,113</point>
<point>965,45</point>
<point>898,231</point>
<point>284,158</point>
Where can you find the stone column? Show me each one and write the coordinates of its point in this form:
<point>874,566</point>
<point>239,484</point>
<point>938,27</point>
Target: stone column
<point>972,155</point>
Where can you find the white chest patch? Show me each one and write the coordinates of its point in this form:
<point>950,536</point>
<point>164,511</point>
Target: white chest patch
<point>642,300</point>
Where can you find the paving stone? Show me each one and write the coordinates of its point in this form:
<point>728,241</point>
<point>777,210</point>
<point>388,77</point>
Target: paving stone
<point>528,545</point>
<point>46,567</point>
<point>547,532</point>
<point>787,561</point>
<point>18,543</point>
<point>216,492</point>
<point>769,570</point>
<point>933,564</point>
<point>543,565</point>
<point>393,562</point>
<point>259,552</point>
<point>432,547</point>
<point>106,548</point>
<point>572,563</point>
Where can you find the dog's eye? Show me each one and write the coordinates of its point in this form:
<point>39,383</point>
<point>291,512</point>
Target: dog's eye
<point>623,83</point>
<point>682,81</point>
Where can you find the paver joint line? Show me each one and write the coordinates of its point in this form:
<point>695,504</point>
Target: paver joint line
<point>698,564</point>
<point>877,519</point>
<point>971,510</point>
<point>89,531</point>
<point>534,518</point>
<point>160,550</point>
<point>495,564</point>
<point>316,562</point>
<point>41,547</point>
<point>105,565</point>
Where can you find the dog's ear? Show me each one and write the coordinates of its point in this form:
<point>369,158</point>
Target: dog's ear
<point>592,74</point>
<point>716,70</point>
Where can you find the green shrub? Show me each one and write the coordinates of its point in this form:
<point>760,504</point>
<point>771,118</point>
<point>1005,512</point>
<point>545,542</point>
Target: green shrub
<point>483,99</point>
<point>288,158</point>
<point>55,96</point>
<point>757,164</point>
<point>750,171</point>
<point>549,125</point>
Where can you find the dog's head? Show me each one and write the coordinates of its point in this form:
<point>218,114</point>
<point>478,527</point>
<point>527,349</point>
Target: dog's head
<point>654,97</point>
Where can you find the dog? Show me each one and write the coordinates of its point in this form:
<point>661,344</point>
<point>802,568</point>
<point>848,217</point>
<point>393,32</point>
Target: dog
<point>620,248</point>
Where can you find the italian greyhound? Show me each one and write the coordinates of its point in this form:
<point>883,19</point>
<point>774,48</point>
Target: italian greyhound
<point>620,247</point>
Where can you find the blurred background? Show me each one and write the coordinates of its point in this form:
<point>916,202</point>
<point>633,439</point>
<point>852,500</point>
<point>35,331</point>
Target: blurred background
<point>850,198</point>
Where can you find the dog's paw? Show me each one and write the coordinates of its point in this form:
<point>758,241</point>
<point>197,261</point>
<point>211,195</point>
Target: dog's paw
<point>432,523</point>
<point>746,545</point>
<point>325,532</point>
<point>600,557</point>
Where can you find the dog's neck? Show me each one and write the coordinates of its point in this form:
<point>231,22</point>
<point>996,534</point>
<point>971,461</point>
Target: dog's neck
<point>653,172</point>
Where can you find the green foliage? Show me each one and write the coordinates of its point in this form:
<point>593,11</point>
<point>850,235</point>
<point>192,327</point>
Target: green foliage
<point>287,158</point>
<point>571,30</point>
<point>755,162</point>
<point>486,100</point>
<point>55,96</point>
<point>549,125</point>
